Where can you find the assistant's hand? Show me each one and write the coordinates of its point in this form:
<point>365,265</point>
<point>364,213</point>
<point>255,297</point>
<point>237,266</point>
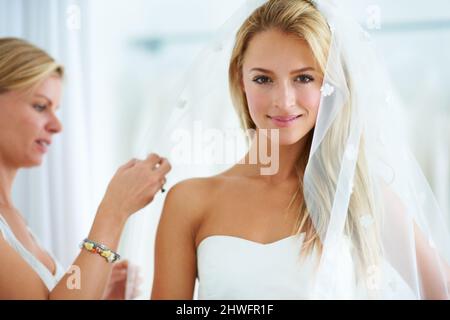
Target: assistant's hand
<point>135,184</point>
<point>116,288</point>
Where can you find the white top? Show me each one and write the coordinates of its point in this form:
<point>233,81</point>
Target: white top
<point>234,268</point>
<point>50,280</point>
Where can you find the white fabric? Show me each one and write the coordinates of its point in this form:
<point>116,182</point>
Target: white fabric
<point>50,280</point>
<point>235,268</point>
<point>232,268</point>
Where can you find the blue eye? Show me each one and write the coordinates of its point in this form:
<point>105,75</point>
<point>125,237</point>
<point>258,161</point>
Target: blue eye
<point>262,80</point>
<point>40,107</point>
<point>304,79</point>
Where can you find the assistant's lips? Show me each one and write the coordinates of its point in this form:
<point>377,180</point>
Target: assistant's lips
<point>43,144</point>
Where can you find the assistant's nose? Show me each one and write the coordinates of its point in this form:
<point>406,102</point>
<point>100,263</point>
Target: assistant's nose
<point>54,124</point>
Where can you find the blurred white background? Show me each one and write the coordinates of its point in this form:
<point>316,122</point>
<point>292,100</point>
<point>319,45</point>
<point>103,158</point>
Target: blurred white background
<point>123,59</point>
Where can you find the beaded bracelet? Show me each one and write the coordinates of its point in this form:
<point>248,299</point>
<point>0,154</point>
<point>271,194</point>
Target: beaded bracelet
<point>101,249</point>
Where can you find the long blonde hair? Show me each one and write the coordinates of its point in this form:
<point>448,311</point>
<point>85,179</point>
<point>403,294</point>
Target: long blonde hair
<point>302,19</point>
<point>23,65</point>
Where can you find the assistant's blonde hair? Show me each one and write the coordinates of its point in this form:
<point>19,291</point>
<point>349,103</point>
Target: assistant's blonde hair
<point>302,19</point>
<point>23,65</point>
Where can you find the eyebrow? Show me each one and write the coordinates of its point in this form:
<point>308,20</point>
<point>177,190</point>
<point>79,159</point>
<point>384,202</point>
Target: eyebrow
<point>294,71</point>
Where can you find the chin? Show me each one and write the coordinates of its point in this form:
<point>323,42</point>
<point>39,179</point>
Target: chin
<point>33,162</point>
<point>289,141</point>
<point>291,137</point>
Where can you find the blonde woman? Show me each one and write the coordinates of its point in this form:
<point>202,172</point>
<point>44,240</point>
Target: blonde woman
<point>346,215</point>
<point>30,92</point>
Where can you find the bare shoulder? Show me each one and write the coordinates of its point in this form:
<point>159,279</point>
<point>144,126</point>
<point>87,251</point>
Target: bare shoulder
<point>195,188</point>
<point>185,208</point>
<point>175,255</point>
<point>200,185</point>
<point>193,197</point>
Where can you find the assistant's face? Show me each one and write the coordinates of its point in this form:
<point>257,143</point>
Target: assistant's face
<point>28,123</point>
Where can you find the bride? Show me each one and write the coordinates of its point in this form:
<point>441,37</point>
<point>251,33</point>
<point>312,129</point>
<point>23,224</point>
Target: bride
<point>346,215</point>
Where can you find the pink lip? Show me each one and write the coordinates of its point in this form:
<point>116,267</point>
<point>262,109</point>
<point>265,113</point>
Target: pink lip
<point>284,121</point>
<point>43,146</point>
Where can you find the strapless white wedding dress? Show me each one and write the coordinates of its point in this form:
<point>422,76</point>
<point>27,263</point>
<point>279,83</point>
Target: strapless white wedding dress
<point>235,268</point>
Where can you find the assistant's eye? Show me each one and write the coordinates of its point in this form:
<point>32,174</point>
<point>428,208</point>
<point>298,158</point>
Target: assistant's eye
<point>262,80</point>
<point>40,107</point>
<point>304,78</point>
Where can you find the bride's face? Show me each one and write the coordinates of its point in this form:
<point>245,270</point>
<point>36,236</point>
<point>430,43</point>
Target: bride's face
<point>282,84</point>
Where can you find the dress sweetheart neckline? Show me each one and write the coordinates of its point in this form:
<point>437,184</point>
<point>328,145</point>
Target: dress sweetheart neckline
<point>255,243</point>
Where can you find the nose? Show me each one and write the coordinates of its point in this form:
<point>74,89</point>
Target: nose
<point>285,96</point>
<point>54,125</point>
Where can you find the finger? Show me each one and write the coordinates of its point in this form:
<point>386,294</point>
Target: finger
<point>118,276</point>
<point>163,182</point>
<point>156,187</point>
<point>123,264</point>
<point>152,159</point>
<point>119,272</point>
<point>164,166</point>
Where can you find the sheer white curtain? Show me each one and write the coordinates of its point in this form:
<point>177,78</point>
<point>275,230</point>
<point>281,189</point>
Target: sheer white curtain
<point>56,197</point>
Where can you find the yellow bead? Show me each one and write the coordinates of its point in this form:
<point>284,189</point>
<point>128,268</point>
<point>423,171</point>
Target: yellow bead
<point>106,254</point>
<point>88,246</point>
